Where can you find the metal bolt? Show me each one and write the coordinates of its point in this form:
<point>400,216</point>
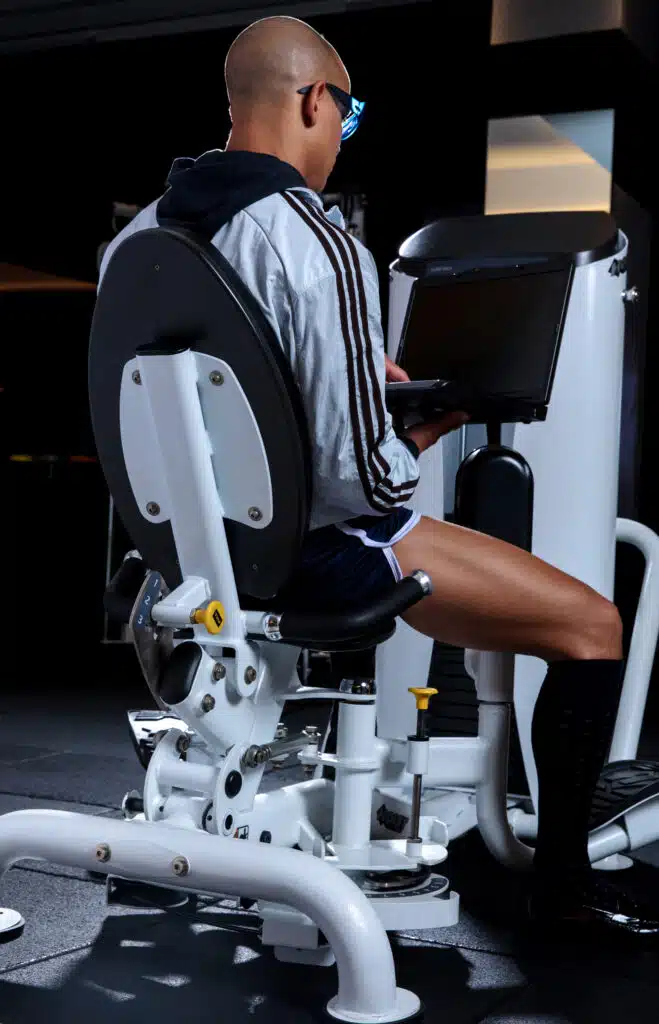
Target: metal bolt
<point>250,674</point>
<point>312,732</point>
<point>153,508</point>
<point>631,295</point>
<point>103,853</point>
<point>364,687</point>
<point>218,672</point>
<point>281,732</point>
<point>183,743</point>
<point>216,378</point>
<point>137,377</point>
<point>255,513</point>
<point>180,866</point>
<point>208,702</point>
<point>157,266</point>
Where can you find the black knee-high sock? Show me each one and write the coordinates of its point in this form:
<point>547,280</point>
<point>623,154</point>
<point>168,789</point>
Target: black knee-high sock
<point>572,728</point>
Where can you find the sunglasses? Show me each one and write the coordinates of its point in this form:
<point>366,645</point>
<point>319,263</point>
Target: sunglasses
<point>351,110</point>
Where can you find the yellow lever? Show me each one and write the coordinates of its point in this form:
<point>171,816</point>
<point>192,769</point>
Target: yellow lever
<point>422,695</point>
<point>212,617</point>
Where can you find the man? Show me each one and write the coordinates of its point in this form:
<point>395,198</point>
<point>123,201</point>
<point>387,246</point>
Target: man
<point>258,201</point>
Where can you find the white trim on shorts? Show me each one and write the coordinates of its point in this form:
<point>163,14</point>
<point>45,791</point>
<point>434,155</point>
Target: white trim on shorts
<point>385,546</point>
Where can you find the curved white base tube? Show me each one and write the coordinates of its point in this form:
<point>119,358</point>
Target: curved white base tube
<point>146,851</point>
<point>407,1006</point>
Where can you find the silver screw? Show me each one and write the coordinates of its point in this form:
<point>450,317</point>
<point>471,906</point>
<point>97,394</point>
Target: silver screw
<point>631,295</point>
<point>153,508</point>
<point>281,732</point>
<point>218,672</point>
<point>208,702</point>
<point>157,266</point>
<point>180,866</point>
<point>255,513</point>
<point>312,732</point>
<point>250,674</point>
<point>183,743</point>
<point>103,853</point>
<point>216,378</point>
<point>137,377</point>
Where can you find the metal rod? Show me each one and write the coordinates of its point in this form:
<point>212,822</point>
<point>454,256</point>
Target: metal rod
<point>256,755</point>
<point>415,820</point>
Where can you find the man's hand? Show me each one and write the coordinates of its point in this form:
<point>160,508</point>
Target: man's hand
<point>425,435</point>
<point>394,372</point>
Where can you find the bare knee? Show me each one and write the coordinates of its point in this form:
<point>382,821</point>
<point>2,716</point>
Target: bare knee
<point>597,632</point>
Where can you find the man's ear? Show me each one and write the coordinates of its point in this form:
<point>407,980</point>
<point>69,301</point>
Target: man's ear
<point>311,104</point>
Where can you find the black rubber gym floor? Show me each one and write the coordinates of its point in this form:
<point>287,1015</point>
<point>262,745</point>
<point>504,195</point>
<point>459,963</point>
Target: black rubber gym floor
<point>80,960</point>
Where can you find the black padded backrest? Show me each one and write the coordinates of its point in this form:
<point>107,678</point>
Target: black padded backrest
<point>163,285</point>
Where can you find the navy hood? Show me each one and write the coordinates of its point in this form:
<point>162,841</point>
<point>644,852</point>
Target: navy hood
<point>204,194</point>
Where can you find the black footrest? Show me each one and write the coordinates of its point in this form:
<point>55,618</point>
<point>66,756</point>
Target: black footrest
<point>623,785</point>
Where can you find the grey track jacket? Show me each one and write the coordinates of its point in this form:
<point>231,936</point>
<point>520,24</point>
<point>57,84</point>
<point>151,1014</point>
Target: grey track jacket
<point>318,287</point>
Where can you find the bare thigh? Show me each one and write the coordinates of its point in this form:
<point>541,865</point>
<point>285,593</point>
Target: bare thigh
<point>491,596</point>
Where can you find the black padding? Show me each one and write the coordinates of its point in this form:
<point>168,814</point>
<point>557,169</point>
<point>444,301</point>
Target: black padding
<point>178,675</point>
<point>621,786</point>
<point>122,590</point>
<point>162,288</point>
<point>360,624</point>
<point>583,235</point>
<point>494,495</point>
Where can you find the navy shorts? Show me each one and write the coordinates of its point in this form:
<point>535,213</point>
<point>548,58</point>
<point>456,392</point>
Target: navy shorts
<point>349,565</point>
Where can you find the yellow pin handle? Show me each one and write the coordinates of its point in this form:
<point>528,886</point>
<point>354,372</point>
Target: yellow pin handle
<point>212,617</point>
<point>422,695</point>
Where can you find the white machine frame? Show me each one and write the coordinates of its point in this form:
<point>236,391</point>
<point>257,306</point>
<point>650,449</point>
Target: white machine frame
<point>201,793</point>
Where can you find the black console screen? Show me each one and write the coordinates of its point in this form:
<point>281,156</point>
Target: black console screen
<point>499,334</point>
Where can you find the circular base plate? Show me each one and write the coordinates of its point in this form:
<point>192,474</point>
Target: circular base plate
<point>11,925</point>
<point>408,1009</point>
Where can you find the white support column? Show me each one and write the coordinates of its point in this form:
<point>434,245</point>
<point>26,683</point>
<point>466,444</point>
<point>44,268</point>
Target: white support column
<point>194,506</point>
<point>355,774</point>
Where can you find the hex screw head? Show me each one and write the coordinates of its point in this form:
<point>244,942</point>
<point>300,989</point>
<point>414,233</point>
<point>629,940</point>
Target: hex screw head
<point>180,866</point>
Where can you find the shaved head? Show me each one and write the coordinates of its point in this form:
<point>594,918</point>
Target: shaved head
<point>266,66</point>
<point>274,57</point>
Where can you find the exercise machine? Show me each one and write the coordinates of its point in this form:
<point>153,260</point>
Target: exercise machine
<point>513,284</point>
<point>202,439</point>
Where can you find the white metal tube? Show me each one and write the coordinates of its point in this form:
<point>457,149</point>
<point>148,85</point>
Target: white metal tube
<point>602,843</point>
<point>491,792</point>
<point>143,851</point>
<point>171,385</point>
<point>197,778</point>
<point>353,786</point>
<point>640,660</point>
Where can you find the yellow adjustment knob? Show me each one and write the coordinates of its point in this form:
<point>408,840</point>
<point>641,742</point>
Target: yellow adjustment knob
<point>212,617</point>
<point>422,695</point>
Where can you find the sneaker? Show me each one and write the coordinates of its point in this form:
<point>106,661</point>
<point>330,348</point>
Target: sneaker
<point>595,905</point>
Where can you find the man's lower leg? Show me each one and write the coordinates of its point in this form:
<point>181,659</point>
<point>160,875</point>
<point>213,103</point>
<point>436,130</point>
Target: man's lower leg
<point>572,730</point>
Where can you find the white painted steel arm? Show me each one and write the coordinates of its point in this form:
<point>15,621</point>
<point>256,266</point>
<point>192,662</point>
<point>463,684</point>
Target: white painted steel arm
<point>145,851</point>
<point>640,660</point>
<point>491,793</point>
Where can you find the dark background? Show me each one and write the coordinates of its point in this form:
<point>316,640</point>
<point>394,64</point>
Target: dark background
<point>86,125</point>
